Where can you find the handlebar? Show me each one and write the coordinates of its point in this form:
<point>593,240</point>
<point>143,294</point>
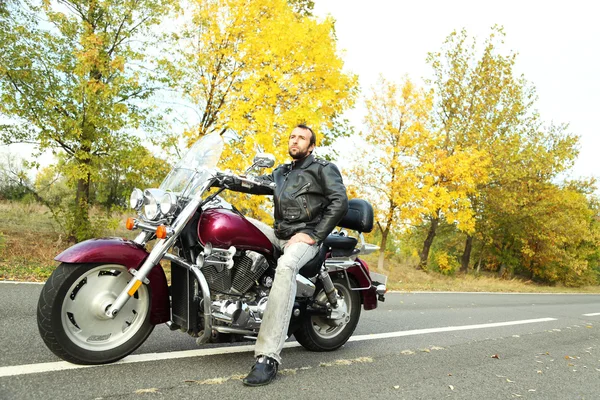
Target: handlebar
<point>244,180</point>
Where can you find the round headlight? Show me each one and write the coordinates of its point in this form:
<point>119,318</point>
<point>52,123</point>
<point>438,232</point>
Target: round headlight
<point>151,206</point>
<point>136,200</point>
<point>168,204</point>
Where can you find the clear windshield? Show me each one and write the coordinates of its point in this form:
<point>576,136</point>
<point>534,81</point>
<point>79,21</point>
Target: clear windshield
<point>194,168</point>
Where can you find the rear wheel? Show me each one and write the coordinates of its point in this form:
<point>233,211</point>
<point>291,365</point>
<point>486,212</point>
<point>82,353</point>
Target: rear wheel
<point>319,333</point>
<point>71,315</point>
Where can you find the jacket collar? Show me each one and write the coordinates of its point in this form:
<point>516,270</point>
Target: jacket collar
<point>304,163</point>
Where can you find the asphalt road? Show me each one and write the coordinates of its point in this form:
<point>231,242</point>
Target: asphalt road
<point>414,346</point>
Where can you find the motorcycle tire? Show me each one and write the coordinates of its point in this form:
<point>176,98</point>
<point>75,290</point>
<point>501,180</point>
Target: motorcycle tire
<point>317,333</point>
<point>71,318</point>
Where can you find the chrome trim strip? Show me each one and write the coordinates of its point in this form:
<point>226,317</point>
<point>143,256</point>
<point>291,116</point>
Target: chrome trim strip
<point>226,329</point>
<point>339,263</point>
<point>343,266</point>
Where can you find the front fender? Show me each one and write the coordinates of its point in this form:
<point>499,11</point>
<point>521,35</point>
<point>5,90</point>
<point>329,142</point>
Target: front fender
<point>130,255</point>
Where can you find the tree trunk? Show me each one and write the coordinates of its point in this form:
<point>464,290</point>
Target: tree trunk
<point>80,227</point>
<point>502,271</point>
<point>479,260</point>
<point>466,257</point>
<point>384,235</point>
<point>428,243</point>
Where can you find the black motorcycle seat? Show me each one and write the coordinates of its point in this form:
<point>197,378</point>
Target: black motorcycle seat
<point>340,242</point>
<point>313,267</point>
<point>340,246</point>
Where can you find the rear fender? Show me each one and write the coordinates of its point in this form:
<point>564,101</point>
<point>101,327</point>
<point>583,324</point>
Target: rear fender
<point>130,255</point>
<point>360,273</point>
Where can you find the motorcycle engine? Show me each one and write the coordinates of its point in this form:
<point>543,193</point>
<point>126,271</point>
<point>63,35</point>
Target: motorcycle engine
<point>246,270</point>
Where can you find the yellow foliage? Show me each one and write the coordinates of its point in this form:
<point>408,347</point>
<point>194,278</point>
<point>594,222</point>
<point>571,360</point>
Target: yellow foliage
<point>418,176</point>
<point>446,264</point>
<point>256,68</point>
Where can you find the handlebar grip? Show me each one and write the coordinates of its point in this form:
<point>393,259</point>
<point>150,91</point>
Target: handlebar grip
<point>231,179</point>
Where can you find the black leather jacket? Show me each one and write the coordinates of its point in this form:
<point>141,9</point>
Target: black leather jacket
<point>309,197</point>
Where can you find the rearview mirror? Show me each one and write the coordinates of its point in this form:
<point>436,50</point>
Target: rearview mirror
<point>264,160</point>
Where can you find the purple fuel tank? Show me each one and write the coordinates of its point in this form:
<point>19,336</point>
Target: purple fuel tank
<point>223,228</point>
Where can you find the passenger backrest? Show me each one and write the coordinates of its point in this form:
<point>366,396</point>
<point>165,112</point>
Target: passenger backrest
<point>359,216</point>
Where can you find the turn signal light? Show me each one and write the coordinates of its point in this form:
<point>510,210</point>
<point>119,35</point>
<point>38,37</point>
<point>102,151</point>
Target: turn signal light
<point>161,232</point>
<point>130,223</point>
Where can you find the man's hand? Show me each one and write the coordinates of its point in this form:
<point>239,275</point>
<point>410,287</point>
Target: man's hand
<point>301,237</point>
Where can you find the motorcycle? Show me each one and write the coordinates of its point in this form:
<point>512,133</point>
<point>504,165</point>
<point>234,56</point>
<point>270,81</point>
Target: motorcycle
<point>107,295</point>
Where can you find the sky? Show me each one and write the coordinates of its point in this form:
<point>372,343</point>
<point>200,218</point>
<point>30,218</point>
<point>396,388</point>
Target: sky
<point>558,46</point>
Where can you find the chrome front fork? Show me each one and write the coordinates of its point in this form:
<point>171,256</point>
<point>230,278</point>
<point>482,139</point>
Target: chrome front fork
<point>158,252</point>
<point>139,276</point>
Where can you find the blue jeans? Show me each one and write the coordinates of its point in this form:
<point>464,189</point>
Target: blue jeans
<point>276,319</point>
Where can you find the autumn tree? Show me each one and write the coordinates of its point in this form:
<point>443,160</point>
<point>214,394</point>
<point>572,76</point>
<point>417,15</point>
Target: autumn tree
<point>257,68</point>
<point>535,227</point>
<point>450,177</point>
<point>74,75</point>
<point>481,103</point>
<point>386,171</point>
<point>407,172</point>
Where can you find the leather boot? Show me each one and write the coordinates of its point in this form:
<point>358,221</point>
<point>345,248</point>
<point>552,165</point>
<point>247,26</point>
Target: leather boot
<point>262,373</point>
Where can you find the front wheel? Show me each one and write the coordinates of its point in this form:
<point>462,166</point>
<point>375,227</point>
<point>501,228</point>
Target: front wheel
<point>71,317</point>
<point>319,333</point>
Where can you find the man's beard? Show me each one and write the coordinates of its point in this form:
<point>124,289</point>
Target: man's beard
<point>299,155</point>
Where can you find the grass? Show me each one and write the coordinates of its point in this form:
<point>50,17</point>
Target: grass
<point>407,278</point>
<point>30,239</point>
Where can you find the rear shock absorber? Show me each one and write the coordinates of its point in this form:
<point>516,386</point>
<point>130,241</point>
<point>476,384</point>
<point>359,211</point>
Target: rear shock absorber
<point>328,287</point>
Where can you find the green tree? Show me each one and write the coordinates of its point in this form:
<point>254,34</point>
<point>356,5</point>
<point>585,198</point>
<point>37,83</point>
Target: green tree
<point>14,182</point>
<point>481,103</point>
<point>132,165</point>
<point>74,75</point>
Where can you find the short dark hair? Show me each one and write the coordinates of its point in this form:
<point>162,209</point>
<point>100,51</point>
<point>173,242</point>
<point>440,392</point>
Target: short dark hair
<point>313,137</point>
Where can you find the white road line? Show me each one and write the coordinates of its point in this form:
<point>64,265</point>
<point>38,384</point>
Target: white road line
<point>446,329</point>
<point>23,283</point>
<point>592,314</point>
<point>62,365</point>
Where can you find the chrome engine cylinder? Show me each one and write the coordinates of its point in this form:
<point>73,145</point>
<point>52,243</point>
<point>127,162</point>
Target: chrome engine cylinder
<point>248,270</point>
<point>244,271</point>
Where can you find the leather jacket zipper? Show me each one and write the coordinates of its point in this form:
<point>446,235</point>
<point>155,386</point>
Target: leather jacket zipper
<point>306,186</point>
<point>281,193</point>
<point>305,203</point>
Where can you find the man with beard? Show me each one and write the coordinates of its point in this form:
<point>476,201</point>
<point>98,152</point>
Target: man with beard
<point>310,200</point>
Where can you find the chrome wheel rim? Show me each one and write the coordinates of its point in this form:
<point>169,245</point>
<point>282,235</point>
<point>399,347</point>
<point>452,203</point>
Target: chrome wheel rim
<point>82,312</point>
<point>327,328</point>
